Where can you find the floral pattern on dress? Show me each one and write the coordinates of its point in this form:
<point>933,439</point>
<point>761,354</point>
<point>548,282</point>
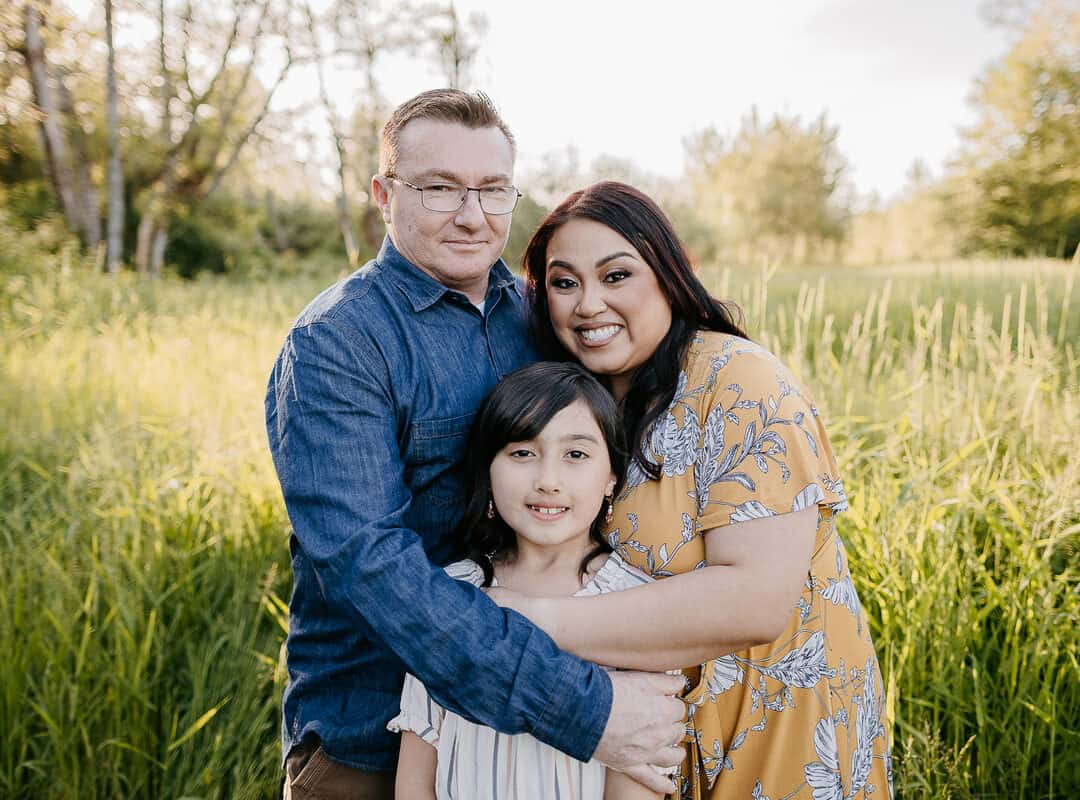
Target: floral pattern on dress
<point>803,716</point>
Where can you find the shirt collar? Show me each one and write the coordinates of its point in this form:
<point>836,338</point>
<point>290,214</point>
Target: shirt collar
<point>422,290</point>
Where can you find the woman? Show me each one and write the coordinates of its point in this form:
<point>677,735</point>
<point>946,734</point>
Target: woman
<point>730,497</point>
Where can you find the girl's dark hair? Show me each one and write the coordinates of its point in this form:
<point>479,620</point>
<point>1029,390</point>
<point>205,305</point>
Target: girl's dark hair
<point>634,216</point>
<point>516,410</point>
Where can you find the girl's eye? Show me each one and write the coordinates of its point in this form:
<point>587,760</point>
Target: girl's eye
<point>520,453</point>
<point>577,455</point>
<point>617,275</point>
<point>562,282</point>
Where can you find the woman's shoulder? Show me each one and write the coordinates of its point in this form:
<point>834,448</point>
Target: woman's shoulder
<point>740,360</point>
<point>466,570</point>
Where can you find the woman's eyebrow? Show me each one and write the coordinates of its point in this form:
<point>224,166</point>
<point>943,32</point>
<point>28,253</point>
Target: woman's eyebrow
<point>566,265</point>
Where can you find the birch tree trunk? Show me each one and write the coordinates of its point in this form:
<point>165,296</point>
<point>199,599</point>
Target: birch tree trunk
<point>86,193</point>
<point>114,245</point>
<point>56,156</point>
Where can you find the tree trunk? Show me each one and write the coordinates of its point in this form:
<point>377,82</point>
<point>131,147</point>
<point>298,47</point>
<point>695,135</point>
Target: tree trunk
<point>114,249</point>
<point>86,194</point>
<point>53,136</point>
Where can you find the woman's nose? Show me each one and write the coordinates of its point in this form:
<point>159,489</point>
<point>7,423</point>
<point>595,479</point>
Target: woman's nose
<point>591,302</point>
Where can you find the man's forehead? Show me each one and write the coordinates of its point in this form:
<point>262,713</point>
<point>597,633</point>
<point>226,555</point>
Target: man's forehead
<point>429,147</point>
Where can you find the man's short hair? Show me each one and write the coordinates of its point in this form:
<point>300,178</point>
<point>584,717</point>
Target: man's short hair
<point>473,110</point>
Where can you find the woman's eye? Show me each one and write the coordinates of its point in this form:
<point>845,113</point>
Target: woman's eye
<point>563,283</point>
<point>617,275</point>
<point>520,453</point>
<point>577,455</point>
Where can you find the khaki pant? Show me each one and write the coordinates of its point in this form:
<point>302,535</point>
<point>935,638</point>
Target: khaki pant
<point>311,775</point>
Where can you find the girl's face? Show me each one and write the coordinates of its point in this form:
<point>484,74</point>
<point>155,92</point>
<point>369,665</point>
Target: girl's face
<point>607,307</point>
<point>551,488</point>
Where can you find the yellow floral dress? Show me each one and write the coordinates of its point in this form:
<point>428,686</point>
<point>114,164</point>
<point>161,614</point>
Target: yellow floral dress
<point>802,717</point>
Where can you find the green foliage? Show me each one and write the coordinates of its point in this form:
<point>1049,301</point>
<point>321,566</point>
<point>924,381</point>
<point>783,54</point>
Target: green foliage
<point>527,218</point>
<point>144,569</point>
<point>775,189</point>
<point>1017,189</point>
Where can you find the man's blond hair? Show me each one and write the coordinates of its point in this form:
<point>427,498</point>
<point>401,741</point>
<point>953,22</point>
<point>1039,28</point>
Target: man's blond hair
<point>473,110</point>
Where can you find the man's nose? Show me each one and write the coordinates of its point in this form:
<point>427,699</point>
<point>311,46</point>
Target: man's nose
<point>470,215</point>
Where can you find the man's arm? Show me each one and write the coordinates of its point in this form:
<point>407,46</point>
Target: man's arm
<point>333,432</point>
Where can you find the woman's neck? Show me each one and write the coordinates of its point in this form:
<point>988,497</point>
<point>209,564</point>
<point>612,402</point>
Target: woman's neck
<point>546,571</point>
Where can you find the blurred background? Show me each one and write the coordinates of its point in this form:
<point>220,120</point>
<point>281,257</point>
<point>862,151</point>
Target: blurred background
<point>890,191</point>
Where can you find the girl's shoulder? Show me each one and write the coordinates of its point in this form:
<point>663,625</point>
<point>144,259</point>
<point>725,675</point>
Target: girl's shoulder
<point>614,575</point>
<point>466,570</point>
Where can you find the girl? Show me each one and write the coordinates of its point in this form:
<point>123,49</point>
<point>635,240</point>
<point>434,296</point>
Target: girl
<point>541,471</point>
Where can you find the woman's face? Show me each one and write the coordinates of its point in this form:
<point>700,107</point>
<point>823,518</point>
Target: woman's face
<point>607,307</point>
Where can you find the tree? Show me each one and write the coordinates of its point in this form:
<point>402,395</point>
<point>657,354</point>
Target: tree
<point>775,189</point>
<point>115,180</point>
<point>457,43</point>
<point>208,114</point>
<point>1016,183</point>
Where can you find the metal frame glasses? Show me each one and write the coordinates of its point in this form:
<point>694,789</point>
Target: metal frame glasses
<point>449,197</point>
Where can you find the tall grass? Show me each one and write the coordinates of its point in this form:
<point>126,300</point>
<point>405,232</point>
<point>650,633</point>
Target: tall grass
<point>144,573</point>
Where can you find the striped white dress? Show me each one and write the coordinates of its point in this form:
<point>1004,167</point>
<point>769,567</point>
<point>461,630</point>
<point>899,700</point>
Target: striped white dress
<point>479,763</point>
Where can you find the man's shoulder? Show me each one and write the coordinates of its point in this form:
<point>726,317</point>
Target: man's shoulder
<point>354,297</point>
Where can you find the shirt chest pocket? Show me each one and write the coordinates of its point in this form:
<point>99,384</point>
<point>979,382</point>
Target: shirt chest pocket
<point>437,449</point>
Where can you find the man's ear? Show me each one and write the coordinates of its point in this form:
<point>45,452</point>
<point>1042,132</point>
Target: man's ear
<point>380,190</point>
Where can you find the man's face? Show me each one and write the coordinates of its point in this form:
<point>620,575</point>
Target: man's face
<point>456,248</point>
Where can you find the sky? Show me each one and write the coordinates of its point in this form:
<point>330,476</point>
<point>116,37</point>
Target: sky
<point>894,75</point>
<point>610,78</point>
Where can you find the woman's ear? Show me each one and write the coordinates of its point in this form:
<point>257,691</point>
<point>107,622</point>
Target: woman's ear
<point>610,490</point>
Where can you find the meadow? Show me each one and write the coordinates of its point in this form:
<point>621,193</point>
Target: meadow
<point>144,577</point>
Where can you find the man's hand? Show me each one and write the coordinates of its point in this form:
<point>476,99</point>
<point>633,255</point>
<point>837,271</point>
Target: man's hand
<point>646,727</point>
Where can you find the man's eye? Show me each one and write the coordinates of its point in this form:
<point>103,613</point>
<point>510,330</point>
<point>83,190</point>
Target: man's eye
<point>442,188</point>
<point>497,192</point>
<point>563,283</point>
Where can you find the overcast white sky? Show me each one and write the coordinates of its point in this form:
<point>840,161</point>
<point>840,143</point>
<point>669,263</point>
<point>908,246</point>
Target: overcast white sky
<point>893,74</point>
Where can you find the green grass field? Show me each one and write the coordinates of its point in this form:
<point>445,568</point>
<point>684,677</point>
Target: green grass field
<point>145,576</point>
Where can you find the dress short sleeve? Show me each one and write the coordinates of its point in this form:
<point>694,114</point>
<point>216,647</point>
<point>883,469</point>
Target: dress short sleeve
<point>419,713</point>
<point>761,447</point>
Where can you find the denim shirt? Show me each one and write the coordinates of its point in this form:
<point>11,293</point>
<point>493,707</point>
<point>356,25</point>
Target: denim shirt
<point>367,410</point>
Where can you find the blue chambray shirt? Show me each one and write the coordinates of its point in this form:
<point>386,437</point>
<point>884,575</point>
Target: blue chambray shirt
<point>367,410</point>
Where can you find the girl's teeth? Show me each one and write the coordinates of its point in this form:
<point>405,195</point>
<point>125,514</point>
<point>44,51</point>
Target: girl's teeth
<point>548,511</point>
<point>599,334</point>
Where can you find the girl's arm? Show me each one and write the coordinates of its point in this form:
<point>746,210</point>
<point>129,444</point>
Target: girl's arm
<point>416,769</point>
<point>757,570</point>
<point>618,786</point>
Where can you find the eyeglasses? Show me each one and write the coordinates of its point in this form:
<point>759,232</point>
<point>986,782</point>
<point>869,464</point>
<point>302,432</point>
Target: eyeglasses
<point>446,197</point>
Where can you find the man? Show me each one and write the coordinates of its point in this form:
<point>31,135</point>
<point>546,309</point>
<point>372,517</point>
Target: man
<point>367,410</point>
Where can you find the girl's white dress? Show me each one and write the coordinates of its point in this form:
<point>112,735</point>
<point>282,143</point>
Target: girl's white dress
<point>479,763</point>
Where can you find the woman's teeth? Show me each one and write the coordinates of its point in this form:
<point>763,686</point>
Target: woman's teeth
<point>600,334</point>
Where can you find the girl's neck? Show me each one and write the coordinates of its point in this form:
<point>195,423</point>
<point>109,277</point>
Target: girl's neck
<point>543,571</point>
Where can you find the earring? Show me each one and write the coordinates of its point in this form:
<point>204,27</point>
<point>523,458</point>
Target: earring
<point>609,515</point>
<point>491,509</point>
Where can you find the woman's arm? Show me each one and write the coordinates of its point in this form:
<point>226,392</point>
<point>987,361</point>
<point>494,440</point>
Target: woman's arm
<point>618,786</point>
<point>416,769</point>
<point>757,570</point>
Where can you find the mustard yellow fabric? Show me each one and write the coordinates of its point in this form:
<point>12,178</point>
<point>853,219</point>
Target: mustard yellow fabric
<point>802,717</point>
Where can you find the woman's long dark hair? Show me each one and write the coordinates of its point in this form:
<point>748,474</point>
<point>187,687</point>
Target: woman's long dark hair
<point>634,216</point>
<point>517,410</point>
